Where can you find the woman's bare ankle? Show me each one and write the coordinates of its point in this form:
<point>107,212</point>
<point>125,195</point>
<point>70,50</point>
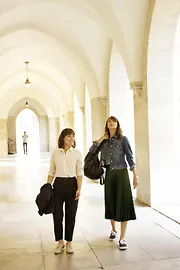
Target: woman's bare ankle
<point>60,241</point>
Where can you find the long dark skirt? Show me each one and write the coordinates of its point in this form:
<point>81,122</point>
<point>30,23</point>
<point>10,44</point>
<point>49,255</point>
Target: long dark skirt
<point>119,204</point>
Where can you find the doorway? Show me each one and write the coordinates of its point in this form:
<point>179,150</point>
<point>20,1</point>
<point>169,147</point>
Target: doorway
<point>27,121</point>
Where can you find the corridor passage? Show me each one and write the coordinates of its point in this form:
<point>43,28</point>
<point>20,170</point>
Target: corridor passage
<point>27,240</point>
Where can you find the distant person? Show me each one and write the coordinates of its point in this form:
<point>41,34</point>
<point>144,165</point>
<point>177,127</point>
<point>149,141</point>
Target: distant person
<point>25,137</point>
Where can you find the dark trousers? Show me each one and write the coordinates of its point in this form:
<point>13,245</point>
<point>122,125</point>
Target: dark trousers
<point>25,147</point>
<point>64,192</point>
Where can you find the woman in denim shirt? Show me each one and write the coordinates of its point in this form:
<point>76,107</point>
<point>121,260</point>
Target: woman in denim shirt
<point>119,204</point>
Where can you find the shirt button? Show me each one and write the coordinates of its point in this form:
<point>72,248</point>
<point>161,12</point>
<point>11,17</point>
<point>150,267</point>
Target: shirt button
<point>111,160</point>
<point>111,153</point>
<point>111,145</point>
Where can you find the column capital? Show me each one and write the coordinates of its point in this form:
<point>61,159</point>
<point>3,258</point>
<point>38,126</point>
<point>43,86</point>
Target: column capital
<point>136,86</point>
<point>103,101</point>
<point>82,109</point>
<point>70,112</point>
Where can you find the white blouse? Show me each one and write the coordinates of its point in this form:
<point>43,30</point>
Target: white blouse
<point>67,164</point>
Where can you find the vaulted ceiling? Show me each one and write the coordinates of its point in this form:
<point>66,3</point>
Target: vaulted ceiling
<point>68,44</point>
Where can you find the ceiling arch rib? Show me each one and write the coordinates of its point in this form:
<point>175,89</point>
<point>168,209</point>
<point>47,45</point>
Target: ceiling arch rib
<point>120,26</point>
<point>103,15</point>
<point>12,96</point>
<point>34,104</point>
<point>51,48</point>
<point>38,77</point>
<point>76,57</point>
<point>51,62</point>
<point>72,44</point>
<point>42,69</point>
<point>38,82</point>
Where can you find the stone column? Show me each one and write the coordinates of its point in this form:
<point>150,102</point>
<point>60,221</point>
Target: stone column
<point>58,125</point>
<point>69,120</point>
<point>11,129</point>
<point>84,129</point>
<point>52,133</point>
<point>3,138</point>
<point>99,108</point>
<point>43,133</point>
<point>142,142</point>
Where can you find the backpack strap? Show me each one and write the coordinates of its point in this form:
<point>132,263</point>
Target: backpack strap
<point>100,147</point>
<point>95,154</point>
<point>102,179</point>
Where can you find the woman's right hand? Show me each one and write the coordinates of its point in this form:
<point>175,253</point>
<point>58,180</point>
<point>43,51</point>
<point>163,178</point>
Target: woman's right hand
<point>105,137</point>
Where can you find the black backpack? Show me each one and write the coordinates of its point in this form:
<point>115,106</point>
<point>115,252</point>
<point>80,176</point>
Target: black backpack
<point>92,166</point>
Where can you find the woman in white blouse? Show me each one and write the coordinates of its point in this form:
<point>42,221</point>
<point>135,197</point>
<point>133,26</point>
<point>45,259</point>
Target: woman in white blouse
<point>66,168</point>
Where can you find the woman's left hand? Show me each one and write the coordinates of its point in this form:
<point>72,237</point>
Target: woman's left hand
<point>135,182</point>
<point>78,193</point>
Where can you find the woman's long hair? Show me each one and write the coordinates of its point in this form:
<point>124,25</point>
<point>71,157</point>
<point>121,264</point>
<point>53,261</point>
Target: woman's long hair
<point>119,132</point>
<point>64,133</point>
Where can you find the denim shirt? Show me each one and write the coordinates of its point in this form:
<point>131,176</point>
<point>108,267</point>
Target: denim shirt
<point>116,153</point>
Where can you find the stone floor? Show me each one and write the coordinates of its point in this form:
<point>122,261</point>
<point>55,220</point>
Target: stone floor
<point>27,241</point>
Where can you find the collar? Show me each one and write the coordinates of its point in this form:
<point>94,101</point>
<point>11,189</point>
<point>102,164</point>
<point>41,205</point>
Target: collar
<point>70,149</point>
<point>114,137</point>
